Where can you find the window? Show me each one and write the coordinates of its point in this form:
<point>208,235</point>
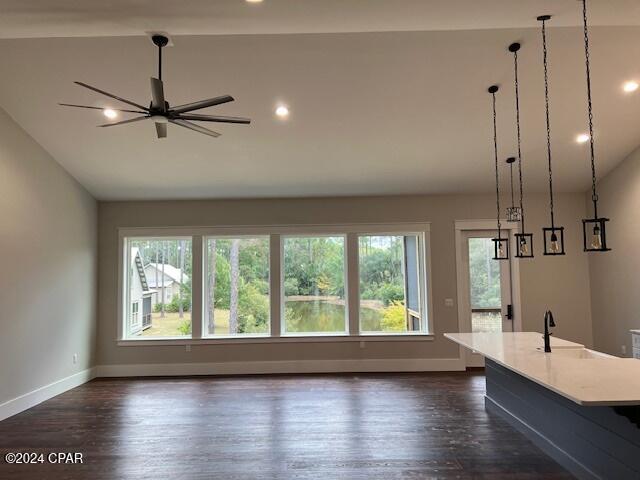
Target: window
<point>313,285</point>
<point>237,286</point>
<point>390,270</point>
<point>343,281</point>
<point>159,283</point>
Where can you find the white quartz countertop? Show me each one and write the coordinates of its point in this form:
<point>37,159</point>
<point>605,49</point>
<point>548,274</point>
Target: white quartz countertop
<point>584,376</point>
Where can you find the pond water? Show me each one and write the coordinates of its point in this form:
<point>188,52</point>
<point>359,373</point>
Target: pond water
<point>323,316</point>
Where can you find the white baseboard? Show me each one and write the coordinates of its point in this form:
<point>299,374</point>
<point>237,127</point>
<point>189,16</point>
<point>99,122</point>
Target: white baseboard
<point>39,395</point>
<point>292,366</point>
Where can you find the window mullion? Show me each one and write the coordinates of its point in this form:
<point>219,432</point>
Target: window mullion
<point>353,284</point>
<point>197,301</point>
<point>275,279</point>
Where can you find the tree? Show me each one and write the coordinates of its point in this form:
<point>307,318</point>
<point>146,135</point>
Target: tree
<point>212,286</point>
<point>234,258</point>
<point>164,295</point>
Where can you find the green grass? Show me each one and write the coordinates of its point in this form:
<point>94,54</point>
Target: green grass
<point>169,325</point>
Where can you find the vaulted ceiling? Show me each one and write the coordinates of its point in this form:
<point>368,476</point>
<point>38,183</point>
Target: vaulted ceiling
<point>386,97</point>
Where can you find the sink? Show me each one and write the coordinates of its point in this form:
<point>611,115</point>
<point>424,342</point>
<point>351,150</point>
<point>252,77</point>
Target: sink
<point>580,353</point>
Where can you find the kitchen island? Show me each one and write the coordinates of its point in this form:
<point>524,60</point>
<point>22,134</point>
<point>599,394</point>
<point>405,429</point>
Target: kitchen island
<point>579,405</point>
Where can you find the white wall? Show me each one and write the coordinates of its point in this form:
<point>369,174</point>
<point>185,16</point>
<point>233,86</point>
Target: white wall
<point>558,283</point>
<point>615,275</point>
<point>48,276</point>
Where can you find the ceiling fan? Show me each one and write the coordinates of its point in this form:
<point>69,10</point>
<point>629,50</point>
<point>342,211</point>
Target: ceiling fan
<point>159,109</point>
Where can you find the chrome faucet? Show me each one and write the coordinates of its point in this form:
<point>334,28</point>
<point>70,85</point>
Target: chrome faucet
<point>548,322</point>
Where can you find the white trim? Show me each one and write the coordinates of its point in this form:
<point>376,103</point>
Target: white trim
<point>288,366</point>
<point>39,395</point>
<point>279,232</point>
<point>292,338</point>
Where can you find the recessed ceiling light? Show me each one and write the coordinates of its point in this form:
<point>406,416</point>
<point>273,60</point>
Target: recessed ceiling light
<point>253,1</point>
<point>630,86</point>
<point>282,111</point>
<point>109,113</point>
<point>582,138</point>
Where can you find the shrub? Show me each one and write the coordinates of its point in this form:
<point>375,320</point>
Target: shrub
<point>394,318</point>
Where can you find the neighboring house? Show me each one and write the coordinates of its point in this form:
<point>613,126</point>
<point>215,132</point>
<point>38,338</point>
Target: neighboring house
<point>166,285</point>
<point>140,296</point>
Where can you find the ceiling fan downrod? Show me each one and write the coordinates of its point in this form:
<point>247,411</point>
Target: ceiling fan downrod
<point>160,41</point>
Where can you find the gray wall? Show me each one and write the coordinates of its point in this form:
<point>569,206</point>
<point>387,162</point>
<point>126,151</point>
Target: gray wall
<point>48,278</point>
<point>560,283</point>
<point>615,284</point>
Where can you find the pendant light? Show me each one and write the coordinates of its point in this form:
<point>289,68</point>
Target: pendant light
<point>553,236</point>
<point>593,229</point>
<point>514,214</point>
<point>524,241</point>
<point>500,245</point>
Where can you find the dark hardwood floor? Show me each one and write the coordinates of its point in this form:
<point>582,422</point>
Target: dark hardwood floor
<point>353,427</point>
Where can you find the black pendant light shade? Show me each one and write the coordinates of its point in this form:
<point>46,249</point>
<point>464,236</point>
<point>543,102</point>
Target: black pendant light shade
<point>514,214</point>
<point>593,229</point>
<point>500,244</point>
<point>524,241</point>
<point>553,235</point>
<point>553,240</point>
<point>594,234</point>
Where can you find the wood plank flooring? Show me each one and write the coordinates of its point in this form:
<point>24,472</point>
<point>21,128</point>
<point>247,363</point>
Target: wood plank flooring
<point>354,427</point>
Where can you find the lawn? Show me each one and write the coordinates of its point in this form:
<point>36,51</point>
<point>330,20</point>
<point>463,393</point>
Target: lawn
<point>169,325</point>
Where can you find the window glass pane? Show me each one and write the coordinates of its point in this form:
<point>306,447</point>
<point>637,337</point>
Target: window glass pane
<point>237,286</point>
<point>390,287</point>
<point>158,289</point>
<point>313,285</point>
<point>484,287</point>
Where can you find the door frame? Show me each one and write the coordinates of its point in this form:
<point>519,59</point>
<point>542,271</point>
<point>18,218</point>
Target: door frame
<point>510,228</point>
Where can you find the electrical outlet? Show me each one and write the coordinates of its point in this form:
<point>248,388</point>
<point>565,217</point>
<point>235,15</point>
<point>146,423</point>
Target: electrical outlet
<point>623,349</point>
<point>75,358</point>
<point>187,347</point>
<point>448,302</point>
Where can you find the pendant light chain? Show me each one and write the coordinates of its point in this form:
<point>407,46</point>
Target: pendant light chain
<point>546,99</point>
<point>594,195</point>
<point>495,146</point>
<point>515,60</point>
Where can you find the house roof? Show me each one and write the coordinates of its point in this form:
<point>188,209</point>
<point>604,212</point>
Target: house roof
<point>169,271</point>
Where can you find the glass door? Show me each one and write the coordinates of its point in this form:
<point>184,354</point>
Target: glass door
<point>486,296</point>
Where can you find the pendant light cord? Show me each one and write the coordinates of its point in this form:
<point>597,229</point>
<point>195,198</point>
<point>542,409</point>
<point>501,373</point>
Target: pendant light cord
<point>515,62</point>
<point>546,99</point>
<point>495,148</point>
<point>594,195</point>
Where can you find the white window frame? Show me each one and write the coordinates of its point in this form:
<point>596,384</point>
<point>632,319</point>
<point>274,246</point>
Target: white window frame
<point>124,290</point>
<point>205,298</point>
<point>275,232</point>
<point>423,279</point>
<point>283,332</point>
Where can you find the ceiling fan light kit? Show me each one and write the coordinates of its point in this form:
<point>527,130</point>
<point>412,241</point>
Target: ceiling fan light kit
<point>159,110</point>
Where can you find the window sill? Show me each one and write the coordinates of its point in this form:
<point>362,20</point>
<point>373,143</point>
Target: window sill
<point>400,337</point>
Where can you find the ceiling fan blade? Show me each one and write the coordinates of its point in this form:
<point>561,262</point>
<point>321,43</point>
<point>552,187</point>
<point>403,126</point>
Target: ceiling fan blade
<point>157,94</point>
<point>161,130</point>
<point>101,108</point>
<point>193,126</point>
<point>189,107</point>
<point>137,119</point>
<point>214,118</point>
<point>111,95</point>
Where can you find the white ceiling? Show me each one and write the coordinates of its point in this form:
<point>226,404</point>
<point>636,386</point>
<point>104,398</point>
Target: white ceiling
<point>83,18</point>
<point>372,113</point>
